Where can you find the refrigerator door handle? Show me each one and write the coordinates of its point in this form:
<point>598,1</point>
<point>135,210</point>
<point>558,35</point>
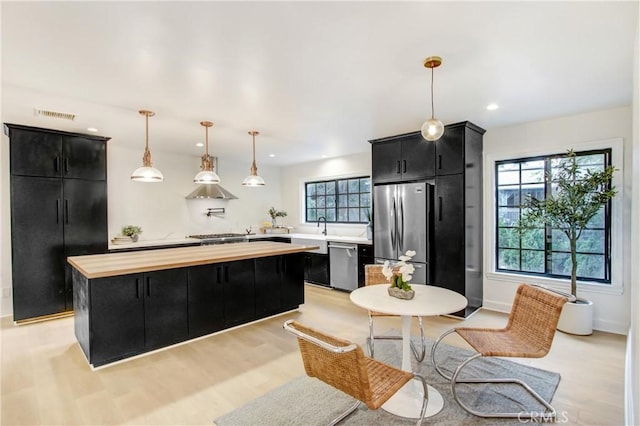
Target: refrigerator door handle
<point>395,225</point>
<point>401,234</point>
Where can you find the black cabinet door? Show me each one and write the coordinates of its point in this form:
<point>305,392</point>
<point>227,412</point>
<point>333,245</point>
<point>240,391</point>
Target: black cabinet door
<point>417,158</point>
<point>35,153</point>
<point>292,281</point>
<point>239,291</point>
<point>386,161</point>
<point>450,151</point>
<point>268,285</point>
<point>117,318</point>
<point>37,247</point>
<point>165,307</point>
<point>84,158</point>
<point>206,303</point>
<point>449,268</point>
<point>317,268</point>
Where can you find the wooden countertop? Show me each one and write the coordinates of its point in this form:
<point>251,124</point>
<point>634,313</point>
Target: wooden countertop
<point>111,264</point>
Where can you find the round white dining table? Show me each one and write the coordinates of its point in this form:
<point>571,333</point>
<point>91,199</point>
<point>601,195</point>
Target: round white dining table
<point>428,301</point>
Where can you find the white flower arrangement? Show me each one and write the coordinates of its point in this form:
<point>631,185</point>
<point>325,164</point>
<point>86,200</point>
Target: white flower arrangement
<point>405,271</point>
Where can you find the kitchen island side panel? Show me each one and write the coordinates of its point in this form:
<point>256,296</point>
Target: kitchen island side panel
<point>81,323</point>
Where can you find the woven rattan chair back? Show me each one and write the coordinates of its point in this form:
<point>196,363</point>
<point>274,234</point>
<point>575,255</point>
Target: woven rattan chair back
<point>344,371</point>
<point>373,276</point>
<point>534,317</point>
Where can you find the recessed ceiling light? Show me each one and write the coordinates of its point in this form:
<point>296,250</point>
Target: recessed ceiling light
<point>92,129</point>
<point>272,155</point>
<point>323,156</point>
<point>199,144</point>
<point>492,107</point>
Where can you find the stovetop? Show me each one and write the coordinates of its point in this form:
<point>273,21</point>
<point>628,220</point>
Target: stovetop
<point>214,236</point>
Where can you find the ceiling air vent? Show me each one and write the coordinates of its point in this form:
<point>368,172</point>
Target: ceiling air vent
<point>55,114</point>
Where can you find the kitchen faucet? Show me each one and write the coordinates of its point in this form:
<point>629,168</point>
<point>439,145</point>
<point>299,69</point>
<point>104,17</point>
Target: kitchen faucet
<point>325,224</point>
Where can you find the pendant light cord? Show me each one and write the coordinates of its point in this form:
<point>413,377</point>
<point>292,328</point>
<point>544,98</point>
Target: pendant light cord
<point>432,109</point>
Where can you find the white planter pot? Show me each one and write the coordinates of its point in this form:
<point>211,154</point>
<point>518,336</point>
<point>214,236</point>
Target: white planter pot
<point>577,318</point>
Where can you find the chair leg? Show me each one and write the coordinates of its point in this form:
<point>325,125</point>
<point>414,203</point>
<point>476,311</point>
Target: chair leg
<point>346,414</point>
<point>548,415</point>
<point>418,354</point>
<point>425,397</point>
<point>433,353</point>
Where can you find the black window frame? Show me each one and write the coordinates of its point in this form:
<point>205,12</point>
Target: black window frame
<point>364,211</point>
<point>548,249</point>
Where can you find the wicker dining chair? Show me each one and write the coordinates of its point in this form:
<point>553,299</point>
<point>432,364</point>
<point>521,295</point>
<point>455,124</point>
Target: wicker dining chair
<point>344,366</point>
<point>528,334</point>
<point>373,276</point>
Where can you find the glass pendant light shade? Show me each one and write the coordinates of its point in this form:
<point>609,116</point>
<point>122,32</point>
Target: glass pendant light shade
<point>432,129</point>
<point>147,173</point>
<point>207,176</point>
<point>253,179</point>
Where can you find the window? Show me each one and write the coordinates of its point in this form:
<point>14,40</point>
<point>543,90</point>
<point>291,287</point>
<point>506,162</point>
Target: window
<point>545,251</point>
<point>339,200</point>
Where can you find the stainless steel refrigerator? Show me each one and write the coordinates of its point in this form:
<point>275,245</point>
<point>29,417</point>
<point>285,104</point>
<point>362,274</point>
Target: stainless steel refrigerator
<point>401,219</point>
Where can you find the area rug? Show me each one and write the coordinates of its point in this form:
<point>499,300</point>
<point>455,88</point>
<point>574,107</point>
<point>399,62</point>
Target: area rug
<point>309,401</point>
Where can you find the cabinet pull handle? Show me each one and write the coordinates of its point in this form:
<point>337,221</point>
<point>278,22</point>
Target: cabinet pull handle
<point>137,288</point>
<point>226,274</point>
<point>66,166</point>
<point>149,286</point>
<point>440,209</point>
<point>398,166</point>
<point>66,212</point>
<point>56,164</point>
<point>439,162</point>
<point>57,211</point>
<point>404,166</point>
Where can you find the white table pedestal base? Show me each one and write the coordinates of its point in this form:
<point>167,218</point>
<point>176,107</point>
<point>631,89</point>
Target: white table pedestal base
<point>407,402</point>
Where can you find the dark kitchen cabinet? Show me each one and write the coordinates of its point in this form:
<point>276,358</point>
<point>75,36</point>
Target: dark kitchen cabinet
<point>316,268</point>
<point>134,313</point>
<point>268,285</point>
<point>457,227</point>
<point>407,157</point>
<point>58,209</point>
<point>292,279</point>
<point>165,307</point>
<point>365,257</point>
<point>206,300</point>
<point>239,291</point>
<point>117,316</point>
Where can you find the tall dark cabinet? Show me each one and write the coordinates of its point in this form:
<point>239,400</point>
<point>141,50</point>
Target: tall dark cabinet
<point>454,162</point>
<point>58,209</point>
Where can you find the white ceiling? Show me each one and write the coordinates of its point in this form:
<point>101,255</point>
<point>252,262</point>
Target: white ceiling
<point>313,77</point>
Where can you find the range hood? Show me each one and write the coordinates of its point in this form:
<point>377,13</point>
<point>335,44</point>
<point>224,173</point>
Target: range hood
<point>211,191</point>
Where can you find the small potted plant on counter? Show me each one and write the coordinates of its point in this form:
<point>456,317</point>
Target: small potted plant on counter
<point>132,231</point>
<point>275,214</point>
<point>399,276</point>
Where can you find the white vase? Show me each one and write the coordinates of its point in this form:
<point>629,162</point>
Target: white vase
<point>577,318</point>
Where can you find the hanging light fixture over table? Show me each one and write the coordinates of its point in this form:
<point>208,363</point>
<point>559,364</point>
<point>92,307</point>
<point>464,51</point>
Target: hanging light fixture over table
<point>432,129</point>
<point>253,179</point>
<point>207,175</point>
<point>147,173</point>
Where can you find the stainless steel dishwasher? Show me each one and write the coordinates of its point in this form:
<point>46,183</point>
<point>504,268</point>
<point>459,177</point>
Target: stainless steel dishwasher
<point>343,265</point>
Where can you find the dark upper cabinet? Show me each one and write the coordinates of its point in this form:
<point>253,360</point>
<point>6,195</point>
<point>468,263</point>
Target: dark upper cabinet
<point>165,307</point>
<point>37,247</point>
<point>405,157</point>
<point>117,317</point>
<point>49,153</point>
<point>206,303</point>
<point>239,291</point>
<point>450,151</point>
<point>53,195</point>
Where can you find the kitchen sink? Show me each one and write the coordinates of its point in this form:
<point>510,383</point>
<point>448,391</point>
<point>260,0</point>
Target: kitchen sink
<point>322,243</point>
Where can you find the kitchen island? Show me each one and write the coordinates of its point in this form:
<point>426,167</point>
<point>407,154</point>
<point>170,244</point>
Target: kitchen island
<point>126,304</point>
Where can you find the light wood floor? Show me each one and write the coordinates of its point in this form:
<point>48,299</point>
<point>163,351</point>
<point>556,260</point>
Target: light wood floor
<point>47,381</point>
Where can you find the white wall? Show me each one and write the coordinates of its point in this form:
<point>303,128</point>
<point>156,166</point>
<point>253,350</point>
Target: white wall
<point>600,128</point>
<point>161,208</point>
<point>292,184</point>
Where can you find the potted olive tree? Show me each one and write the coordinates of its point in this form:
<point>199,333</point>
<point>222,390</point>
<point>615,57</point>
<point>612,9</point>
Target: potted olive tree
<point>579,194</point>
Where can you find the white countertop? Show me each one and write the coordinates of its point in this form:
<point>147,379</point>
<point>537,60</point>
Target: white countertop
<point>183,241</point>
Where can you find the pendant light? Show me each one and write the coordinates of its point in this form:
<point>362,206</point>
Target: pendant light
<point>207,175</point>
<point>253,179</point>
<point>432,129</point>
<point>147,173</point>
